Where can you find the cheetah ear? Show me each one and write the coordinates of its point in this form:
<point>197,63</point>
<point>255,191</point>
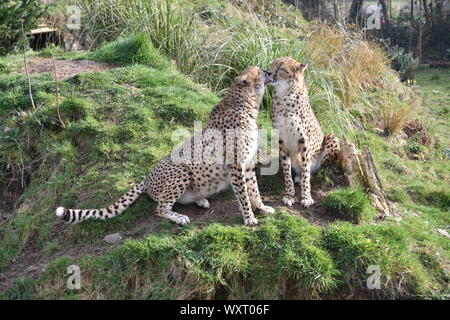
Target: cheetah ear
<point>242,80</point>
<point>303,66</point>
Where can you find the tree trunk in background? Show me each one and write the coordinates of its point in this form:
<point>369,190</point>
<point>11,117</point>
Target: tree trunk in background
<point>427,13</point>
<point>355,13</point>
<point>338,16</point>
<point>418,51</point>
<point>411,21</point>
<point>385,12</point>
<point>311,8</point>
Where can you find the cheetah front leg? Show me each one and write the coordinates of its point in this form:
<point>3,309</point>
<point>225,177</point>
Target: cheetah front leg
<point>288,199</point>
<point>253,191</point>
<point>303,161</point>
<point>237,177</point>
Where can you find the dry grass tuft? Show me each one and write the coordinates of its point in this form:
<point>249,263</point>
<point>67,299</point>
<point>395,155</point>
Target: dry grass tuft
<point>397,111</point>
<point>324,43</point>
<point>361,67</point>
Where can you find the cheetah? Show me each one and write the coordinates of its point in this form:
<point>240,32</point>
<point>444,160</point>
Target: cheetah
<point>301,140</point>
<point>183,177</point>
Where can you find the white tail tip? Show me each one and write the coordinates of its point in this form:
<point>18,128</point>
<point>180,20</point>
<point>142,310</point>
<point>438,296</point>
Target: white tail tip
<point>60,212</point>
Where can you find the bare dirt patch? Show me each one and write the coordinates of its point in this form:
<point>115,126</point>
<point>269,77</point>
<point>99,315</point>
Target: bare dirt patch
<point>31,262</point>
<point>65,68</point>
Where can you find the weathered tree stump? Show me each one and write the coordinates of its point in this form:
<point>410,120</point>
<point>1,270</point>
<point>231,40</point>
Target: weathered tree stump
<point>360,172</point>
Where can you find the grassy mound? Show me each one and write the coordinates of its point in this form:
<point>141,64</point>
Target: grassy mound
<point>118,123</point>
<point>281,258</point>
<point>137,49</point>
<point>122,116</point>
<point>286,257</point>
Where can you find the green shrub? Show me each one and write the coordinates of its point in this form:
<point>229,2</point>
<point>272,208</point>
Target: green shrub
<point>414,148</point>
<point>351,204</point>
<point>50,51</point>
<point>16,15</point>
<point>403,62</point>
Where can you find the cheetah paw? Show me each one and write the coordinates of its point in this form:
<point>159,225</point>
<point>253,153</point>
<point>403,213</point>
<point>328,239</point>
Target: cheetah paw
<point>180,219</point>
<point>203,203</point>
<point>250,221</point>
<point>266,209</point>
<point>289,201</point>
<point>307,202</point>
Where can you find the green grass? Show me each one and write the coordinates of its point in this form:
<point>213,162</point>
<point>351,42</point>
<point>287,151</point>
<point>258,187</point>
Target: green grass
<point>23,289</point>
<point>350,204</point>
<point>119,123</point>
<point>137,49</point>
<point>435,89</point>
<point>281,259</point>
<point>285,257</point>
<point>106,123</point>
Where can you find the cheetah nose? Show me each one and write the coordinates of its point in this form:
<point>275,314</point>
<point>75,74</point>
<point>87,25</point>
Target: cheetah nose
<point>268,77</point>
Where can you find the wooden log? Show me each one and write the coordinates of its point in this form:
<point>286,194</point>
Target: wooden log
<point>360,172</point>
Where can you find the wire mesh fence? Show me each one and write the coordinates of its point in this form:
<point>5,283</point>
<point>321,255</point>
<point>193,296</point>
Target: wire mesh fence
<point>421,27</point>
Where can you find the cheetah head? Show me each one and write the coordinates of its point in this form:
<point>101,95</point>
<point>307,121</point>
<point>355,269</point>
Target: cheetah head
<point>254,79</point>
<point>286,69</point>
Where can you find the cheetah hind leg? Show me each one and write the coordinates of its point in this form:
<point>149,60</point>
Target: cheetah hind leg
<point>190,196</point>
<point>166,202</point>
<point>164,210</point>
<point>297,175</point>
<point>202,203</point>
<point>330,148</point>
<point>329,151</point>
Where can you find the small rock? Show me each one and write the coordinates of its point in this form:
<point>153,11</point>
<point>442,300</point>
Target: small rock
<point>447,153</point>
<point>6,130</point>
<point>113,238</point>
<point>31,269</point>
<point>443,232</point>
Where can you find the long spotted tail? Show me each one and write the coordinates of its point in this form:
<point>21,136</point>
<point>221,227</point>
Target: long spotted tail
<point>77,215</point>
